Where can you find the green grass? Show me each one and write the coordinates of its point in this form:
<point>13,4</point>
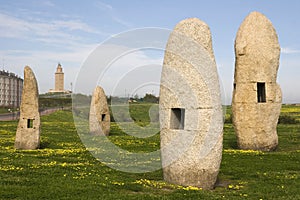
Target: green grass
<point>3,110</point>
<point>7,110</point>
<point>63,169</point>
<point>290,114</point>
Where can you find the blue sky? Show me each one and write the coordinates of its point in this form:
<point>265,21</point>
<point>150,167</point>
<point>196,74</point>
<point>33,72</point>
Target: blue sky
<point>43,33</point>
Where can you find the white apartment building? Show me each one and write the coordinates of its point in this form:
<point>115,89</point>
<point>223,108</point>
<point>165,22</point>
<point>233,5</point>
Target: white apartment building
<point>11,87</point>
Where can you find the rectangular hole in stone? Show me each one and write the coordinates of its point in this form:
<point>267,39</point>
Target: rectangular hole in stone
<point>234,86</point>
<point>102,117</point>
<point>261,92</point>
<point>177,118</point>
<point>29,123</point>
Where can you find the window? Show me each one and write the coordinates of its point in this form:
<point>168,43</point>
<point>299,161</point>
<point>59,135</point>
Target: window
<point>29,123</point>
<point>102,117</point>
<point>177,118</point>
<point>261,92</point>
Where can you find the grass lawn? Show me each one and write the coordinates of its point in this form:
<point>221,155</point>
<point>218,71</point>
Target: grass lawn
<point>7,110</point>
<point>64,169</point>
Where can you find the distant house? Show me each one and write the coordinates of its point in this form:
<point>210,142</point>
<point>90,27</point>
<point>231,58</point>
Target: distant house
<point>132,101</point>
<point>11,87</point>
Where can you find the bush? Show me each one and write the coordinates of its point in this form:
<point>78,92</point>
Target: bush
<point>287,119</point>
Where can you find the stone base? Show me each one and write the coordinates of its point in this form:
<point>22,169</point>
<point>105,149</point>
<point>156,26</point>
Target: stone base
<point>204,179</point>
<point>27,140</point>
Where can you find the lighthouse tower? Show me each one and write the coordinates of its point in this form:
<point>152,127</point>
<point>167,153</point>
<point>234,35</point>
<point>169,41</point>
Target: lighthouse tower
<point>59,79</point>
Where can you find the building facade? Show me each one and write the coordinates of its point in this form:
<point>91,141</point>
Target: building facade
<point>11,87</point>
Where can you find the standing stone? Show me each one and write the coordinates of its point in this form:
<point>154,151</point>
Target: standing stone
<point>256,99</point>
<point>28,131</point>
<point>190,108</point>
<point>99,119</point>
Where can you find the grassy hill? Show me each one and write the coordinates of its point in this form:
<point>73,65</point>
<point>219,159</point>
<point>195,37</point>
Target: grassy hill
<point>64,169</point>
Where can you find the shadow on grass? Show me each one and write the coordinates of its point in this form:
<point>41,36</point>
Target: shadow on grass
<point>44,144</point>
<point>233,144</point>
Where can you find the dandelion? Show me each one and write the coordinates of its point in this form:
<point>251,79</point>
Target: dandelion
<point>160,184</point>
<point>117,183</point>
<point>248,152</point>
<point>235,187</point>
<point>191,188</point>
<point>10,168</point>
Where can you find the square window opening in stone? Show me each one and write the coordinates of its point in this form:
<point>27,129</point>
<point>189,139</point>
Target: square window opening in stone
<point>29,123</point>
<point>177,118</point>
<point>103,117</point>
<point>261,92</point>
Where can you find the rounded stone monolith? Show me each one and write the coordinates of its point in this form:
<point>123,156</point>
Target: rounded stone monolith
<point>28,131</point>
<point>99,118</point>
<point>190,108</point>
<point>256,101</point>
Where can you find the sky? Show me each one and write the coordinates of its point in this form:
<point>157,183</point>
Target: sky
<point>42,34</point>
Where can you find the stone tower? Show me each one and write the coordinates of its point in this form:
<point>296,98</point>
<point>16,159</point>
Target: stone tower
<point>99,118</point>
<point>59,79</point>
<point>191,119</point>
<point>256,101</point>
<point>28,131</point>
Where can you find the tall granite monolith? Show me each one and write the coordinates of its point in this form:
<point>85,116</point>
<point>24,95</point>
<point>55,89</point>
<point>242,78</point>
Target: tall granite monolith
<point>28,131</point>
<point>190,108</point>
<point>256,99</point>
<point>99,118</point>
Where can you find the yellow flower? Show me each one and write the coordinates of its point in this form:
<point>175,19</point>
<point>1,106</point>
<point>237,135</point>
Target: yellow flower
<point>160,184</point>
<point>117,183</point>
<point>238,151</point>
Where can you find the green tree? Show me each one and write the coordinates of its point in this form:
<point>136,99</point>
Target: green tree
<point>150,98</point>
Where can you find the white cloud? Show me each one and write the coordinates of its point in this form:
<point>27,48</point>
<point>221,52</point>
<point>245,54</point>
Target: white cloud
<point>122,22</point>
<point>11,27</point>
<point>22,57</point>
<point>51,41</point>
<point>287,50</point>
<point>48,3</point>
<point>103,6</point>
<point>51,32</point>
<point>132,70</point>
<point>44,63</point>
<point>74,25</point>
<point>111,12</point>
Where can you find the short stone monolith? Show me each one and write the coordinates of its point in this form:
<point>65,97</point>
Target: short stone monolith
<point>28,131</point>
<point>256,101</point>
<point>191,119</point>
<point>99,118</point>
